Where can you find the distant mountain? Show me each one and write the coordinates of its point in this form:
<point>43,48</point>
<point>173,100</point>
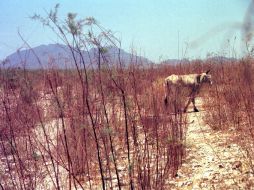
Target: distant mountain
<point>215,59</point>
<point>175,61</point>
<point>60,56</point>
<point>221,59</point>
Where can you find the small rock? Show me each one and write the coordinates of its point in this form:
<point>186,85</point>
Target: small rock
<point>197,166</point>
<point>215,176</point>
<point>236,165</point>
<point>221,166</point>
<point>229,182</point>
<point>227,154</point>
<point>186,183</point>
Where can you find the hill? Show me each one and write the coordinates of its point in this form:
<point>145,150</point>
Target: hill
<point>60,56</point>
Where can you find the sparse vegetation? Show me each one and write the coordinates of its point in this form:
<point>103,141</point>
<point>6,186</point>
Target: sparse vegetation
<point>88,128</point>
<point>103,124</point>
<point>230,102</point>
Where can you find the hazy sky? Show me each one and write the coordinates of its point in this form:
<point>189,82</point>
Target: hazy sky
<point>151,27</point>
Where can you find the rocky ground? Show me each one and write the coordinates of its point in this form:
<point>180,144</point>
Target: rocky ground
<point>212,162</point>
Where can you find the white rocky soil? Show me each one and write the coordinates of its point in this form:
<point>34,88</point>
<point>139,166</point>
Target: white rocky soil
<point>212,162</point>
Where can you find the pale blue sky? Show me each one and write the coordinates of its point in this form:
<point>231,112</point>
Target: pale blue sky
<point>150,26</point>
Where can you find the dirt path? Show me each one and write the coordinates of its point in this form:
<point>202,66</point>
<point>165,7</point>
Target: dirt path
<point>212,162</point>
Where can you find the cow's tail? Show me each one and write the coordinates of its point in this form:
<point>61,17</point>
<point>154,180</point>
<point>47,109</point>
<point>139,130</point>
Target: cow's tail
<point>166,94</point>
<point>166,101</point>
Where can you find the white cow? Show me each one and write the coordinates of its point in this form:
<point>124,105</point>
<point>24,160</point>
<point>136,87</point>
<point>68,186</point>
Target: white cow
<point>191,82</point>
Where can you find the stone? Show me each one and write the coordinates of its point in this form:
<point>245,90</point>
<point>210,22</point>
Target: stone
<point>237,165</point>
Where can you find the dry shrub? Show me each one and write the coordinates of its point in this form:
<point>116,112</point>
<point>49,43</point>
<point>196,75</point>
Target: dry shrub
<point>101,126</point>
<point>231,101</point>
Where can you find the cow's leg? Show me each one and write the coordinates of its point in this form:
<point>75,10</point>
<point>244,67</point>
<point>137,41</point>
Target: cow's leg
<point>196,91</point>
<point>177,99</point>
<point>167,91</point>
<point>187,105</point>
<point>193,102</point>
<point>166,100</point>
<point>191,99</point>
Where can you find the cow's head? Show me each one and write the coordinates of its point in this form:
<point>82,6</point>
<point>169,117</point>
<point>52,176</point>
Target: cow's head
<point>206,77</point>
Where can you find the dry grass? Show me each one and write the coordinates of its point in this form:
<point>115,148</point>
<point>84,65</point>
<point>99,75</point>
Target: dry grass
<point>117,133</point>
<point>230,102</point>
<point>106,126</point>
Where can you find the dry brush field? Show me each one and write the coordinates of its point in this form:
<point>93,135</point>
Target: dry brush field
<point>109,131</point>
<point>108,128</point>
<point>103,124</point>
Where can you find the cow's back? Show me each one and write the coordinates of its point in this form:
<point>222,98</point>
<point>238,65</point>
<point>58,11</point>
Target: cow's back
<point>189,80</point>
<point>182,80</point>
<point>173,79</point>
